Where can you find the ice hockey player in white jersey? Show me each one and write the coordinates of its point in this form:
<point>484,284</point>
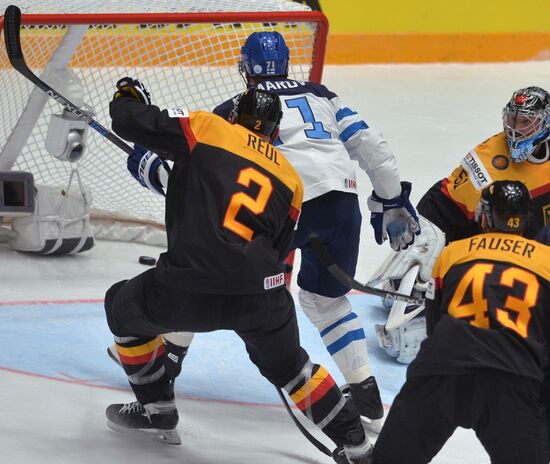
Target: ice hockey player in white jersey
<point>321,137</point>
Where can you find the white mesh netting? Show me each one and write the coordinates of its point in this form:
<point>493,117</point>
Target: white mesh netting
<point>183,64</point>
<point>157,6</point>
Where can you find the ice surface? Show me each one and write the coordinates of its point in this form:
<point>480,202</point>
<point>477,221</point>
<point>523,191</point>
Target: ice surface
<point>56,379</point>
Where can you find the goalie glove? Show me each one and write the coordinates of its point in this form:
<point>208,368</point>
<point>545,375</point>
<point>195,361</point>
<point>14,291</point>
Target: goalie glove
<point>129,87</point>
<point>147,168</point>
<point>395,218</point>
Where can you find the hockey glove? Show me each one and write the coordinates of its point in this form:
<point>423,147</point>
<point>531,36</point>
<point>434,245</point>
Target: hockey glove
<point>395,218</point>
<point>129,87</point>
<point>144,166</point>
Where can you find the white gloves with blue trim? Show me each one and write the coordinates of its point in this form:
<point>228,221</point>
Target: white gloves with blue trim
<point>394,218</point>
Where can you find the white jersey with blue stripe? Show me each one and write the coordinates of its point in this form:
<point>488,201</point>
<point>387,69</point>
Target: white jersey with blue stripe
<point>320,137</point>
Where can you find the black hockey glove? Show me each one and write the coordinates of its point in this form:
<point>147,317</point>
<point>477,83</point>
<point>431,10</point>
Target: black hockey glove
<point>129,87</point>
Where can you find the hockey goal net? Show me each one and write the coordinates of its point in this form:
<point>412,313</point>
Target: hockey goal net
<point>186,53</point>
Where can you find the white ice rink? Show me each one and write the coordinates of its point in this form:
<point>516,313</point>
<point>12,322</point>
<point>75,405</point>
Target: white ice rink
<point>56,381</point>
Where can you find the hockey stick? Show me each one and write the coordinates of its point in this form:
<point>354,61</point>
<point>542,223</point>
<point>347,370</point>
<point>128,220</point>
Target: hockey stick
<point>308,435</point>
<point>12,25</point>
<point>328,261</point>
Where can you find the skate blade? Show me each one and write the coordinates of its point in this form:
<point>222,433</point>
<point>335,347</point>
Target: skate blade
<point>373,425</point>
<point>168,437</point>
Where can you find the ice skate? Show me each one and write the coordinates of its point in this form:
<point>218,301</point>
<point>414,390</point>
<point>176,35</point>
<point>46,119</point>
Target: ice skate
<point>156,419</point>
<point>366,398</point>
<point>357,449</point>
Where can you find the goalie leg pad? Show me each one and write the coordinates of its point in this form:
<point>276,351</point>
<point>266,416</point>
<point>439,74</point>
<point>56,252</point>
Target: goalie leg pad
<point>404,342</point>
<point>341,331</point>
<point>424,251</point>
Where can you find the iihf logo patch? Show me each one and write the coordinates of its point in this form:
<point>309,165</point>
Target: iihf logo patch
<point>500,162</point>
<point>274,281</point>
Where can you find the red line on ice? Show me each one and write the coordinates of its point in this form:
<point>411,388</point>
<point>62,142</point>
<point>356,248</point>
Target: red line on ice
<point>76,381</point>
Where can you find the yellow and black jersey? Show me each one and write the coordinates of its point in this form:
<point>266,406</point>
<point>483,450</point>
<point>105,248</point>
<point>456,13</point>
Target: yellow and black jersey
<point>488,307</point>
<point>232,200</point>
<point>451,202</point>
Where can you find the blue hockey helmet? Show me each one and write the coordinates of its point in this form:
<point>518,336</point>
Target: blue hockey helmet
<point>264,54</point>
<point>526,121</point>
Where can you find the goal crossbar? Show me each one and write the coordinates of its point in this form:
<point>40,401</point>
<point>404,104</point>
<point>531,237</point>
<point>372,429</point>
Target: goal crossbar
<point>315,17</point>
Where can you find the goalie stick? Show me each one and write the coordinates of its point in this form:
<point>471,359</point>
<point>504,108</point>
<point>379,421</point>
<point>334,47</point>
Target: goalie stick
<point>328,261</point>
<point>12,25</point>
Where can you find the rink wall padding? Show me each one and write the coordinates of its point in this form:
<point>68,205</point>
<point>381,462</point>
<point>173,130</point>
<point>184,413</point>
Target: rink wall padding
<point>357,48</point>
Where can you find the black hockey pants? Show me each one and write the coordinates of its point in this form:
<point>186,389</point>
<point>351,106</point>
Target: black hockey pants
<point>140,309</point>
<point>503,409</point>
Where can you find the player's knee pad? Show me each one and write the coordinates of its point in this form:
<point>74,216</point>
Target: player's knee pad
<point>323,310</point>
<point>404,342</point>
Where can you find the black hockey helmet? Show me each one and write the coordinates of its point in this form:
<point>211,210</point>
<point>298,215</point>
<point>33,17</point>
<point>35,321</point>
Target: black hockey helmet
<point>505,206</point>
<point>259,111</point>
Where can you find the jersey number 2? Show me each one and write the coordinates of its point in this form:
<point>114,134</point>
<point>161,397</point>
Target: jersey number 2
<point>242,200</point>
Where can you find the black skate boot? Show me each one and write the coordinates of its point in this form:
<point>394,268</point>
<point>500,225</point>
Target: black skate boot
<point>158,419</point>
<point>366,398</point>
<point>356,450</point>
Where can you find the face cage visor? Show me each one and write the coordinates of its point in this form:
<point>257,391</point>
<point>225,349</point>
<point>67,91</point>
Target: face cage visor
<point>525,130</point>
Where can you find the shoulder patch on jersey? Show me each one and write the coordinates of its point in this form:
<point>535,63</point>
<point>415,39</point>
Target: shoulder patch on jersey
<point>178,113</point>
<point>479,176</point>
<point>460,179</point>
<point>500,162</point>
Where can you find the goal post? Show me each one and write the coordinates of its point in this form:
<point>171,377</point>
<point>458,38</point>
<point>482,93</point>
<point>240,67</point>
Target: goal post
<point>186,59</point>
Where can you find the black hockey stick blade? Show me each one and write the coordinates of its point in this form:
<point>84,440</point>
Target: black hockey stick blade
<point>308,435</point>
<point>328,261</point>
<point>12,25</point>
<point>12,38</point>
